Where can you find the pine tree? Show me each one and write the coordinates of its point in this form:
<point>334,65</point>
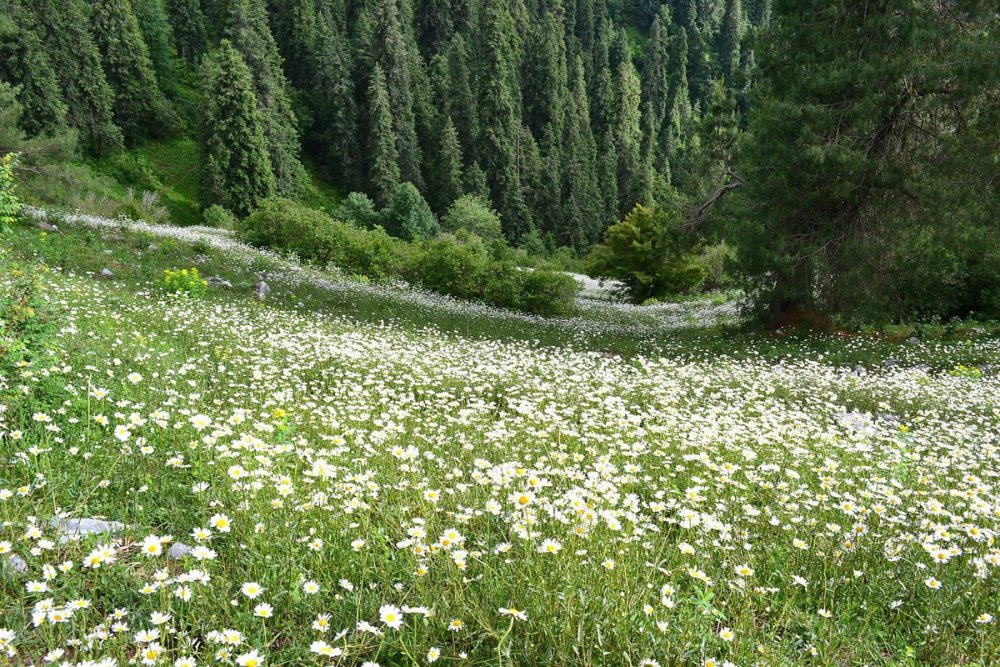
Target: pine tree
<point>730,37</point>
<point>460,102</point>
<point>190,29</point>
<point>396,59</point>
<point>63,28</point>
<point>139,107</point>
<point>449,178</point>
<point>656,89</point>
<point>383,175</point>
<point>500,134</point>
<point>248,31</point>
<point>237,168</point>
<point>632,172</point>
<point>581,222</point>
<point>336,109</point>
<point>435,25</point>
<point>158,35</point>
<point>24,62</point>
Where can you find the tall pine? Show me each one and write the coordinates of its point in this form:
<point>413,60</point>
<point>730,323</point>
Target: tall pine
<point>383,156</point>
<point>237,168</point>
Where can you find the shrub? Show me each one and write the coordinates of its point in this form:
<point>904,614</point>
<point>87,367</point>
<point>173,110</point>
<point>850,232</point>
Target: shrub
<point>10,206</point>
<point>187,282</point>
<point>473,214</point>
<point>219,217</point>
<point>549,293</point>
<point>650,253</point>
<point>281,224</point>
<point>357,209</point>
<point>448,266</point>
<point>408,215</point>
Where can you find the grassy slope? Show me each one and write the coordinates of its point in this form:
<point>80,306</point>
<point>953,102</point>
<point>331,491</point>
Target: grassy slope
<point>151,495</point>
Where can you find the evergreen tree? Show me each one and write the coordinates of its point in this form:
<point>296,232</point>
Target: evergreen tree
<point>632,172</point>
<point>393,52</point>
<point>435,25</point>
<point>656,89</point>
<point>248,31</point>
<point>237,168</point>
<point>383,175</point>
<point>859,178</point>
<point>140,109</point>
<point>63,27</point>
<point>730,37</point>
<point>460,103</point>
<point>500,136</point>
<point>449,179</point>
<point>336,109</point>
<point>581,222</point>
<point>190,29</point>
<point>24,62</point>
<point>158,35</point>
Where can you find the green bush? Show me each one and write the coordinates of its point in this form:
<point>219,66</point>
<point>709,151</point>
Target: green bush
<point>408,215</point>
<point>475,215</point>
<point>359,210</point>
<point>549,293</point>
<point>218,217</point>
<point>313,236</point>
<point>459,265</point>
<point>10,206</point>
<point>650,253</point>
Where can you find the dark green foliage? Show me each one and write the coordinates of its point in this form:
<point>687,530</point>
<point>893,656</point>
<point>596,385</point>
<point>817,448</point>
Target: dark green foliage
<point>25,63</point>
<point>237,168</point>
<point>63,27</point>
<point>448,180</point>
<point>158,35</point>
<point>500,120</point>
<point>359,210</point>
<point>383,157</point>
<point>282,224</point>
<point>868,190</point>
<point>730,37</point>
<point>219,217</point>
<point>140,109</point>
<point>473,214</point>
<point>408,215</point>
<point>247,28</point>
<point>650,253</point>
<point>189,28</point>
<point>549,293</point>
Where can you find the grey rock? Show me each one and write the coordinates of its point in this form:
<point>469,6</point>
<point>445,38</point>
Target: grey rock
<point>151,247</point>
<point>891,362</point>
<point>70,529</point>
<point>107,273</point>
<point>890,420</point>
<point>987,369</point>
<point>262,290</point>
<point>15,564</point>
<point>923,368</point>
<point>47,227</point>
<point>859,370</point>
<point>913,339</point>
<point>218,281</point>
<point>178,550</point>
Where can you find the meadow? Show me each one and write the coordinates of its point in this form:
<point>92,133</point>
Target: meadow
<point>346,473</point>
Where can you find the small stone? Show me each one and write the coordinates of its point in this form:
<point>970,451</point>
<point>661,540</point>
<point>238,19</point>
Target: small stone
<point>178,550</point>
<point>16,564</point>
<point>47,227</point>
<point>218,281</point>
<point>891,362</point>
<point>107,273</point>
<point>262,290</point>
<point>859,370</point>
<point>76,528</point>
<point>151,247</point>
<point>923,368</point>
<point>913,340</point>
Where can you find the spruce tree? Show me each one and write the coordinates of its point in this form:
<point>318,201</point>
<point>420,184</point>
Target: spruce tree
<point>190,29</point>
<point>656,88</point>
<point>632,172</point>
<point>25,63</point>
<point>730,37</point>
<point>237,168</point>
<point>248,31</point>
<point>435,25</point>
<point>449,178</point>
<point>140,108</point>
<point>500,134</point>
<point>581,222</point>
<point>336,109</point>
<point>158,35</point>
<point>63,27</point>
<point>383,177</point>
<point>396,59</point>
<point>460,102</point>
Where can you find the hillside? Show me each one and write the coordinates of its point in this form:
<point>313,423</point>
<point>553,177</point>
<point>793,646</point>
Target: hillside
<point>338,473</point>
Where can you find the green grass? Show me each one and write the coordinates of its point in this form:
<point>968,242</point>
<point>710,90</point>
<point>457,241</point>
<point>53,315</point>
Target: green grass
<point>741,428</point>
